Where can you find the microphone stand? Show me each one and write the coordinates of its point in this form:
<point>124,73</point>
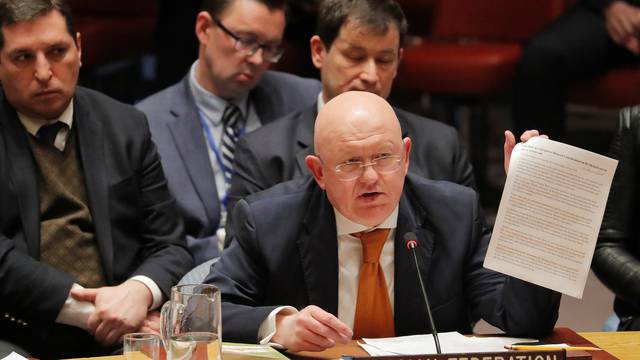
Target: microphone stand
<point>412,244</point>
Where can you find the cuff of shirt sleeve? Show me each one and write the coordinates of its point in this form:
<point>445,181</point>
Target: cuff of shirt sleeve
<point>74,312</point>
<point>153,287</point>
<point>268,327</point>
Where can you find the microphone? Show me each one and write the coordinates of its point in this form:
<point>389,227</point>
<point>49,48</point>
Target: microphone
<point>411,242</point>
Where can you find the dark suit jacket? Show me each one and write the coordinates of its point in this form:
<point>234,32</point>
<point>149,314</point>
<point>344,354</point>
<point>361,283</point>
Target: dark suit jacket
<point>136,225</point>
<point>284,252</point>
<point>175,127</point>
<point>276,152</point>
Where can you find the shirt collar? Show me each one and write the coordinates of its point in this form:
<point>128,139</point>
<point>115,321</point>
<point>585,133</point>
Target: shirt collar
<point>210,103</point>
<point>34,124</point>
<point>345,226</point>
<point>320,102</point>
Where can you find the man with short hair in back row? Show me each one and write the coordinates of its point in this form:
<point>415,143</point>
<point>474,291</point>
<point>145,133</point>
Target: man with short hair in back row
<point>357,46</point>
<point>90,238</point>
<point>317,261</point>
<point>227,92</point>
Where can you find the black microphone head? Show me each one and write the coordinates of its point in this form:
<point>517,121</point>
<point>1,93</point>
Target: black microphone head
<point>410,240</point>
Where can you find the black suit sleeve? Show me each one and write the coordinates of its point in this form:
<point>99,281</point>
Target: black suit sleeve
<point>20,297</point>
<point>463,171</point>
<point>164,251</point>
<point>241,276</point>
<point>247,177</point>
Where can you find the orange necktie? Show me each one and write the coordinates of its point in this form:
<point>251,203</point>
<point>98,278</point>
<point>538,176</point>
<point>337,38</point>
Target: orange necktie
<point>374,317</point>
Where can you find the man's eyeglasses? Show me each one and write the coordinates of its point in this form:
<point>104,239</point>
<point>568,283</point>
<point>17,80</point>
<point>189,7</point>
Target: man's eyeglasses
<point>352,170</point>
<point>250,46</point>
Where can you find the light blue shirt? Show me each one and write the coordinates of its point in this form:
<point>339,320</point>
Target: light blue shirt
<point>212,107</point>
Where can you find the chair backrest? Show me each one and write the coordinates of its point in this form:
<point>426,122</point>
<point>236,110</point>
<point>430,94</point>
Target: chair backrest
<point>506,20</point>
<point>115,29</point>
<point>114,8</point>
<point>419,14</point>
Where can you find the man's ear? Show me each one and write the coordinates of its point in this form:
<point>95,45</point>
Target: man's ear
<point>79,46</point>
<point>407,151</point>
<point>317,51</point>
<point>314,164</point>
<point>203,24</point>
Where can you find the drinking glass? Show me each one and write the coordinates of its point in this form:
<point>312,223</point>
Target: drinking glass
<point>141,346</point>
<point>190,323</point>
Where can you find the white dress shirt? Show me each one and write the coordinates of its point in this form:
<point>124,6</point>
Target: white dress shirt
<point>349,263</point>
<point>212,107</point>
<point>73,312</point>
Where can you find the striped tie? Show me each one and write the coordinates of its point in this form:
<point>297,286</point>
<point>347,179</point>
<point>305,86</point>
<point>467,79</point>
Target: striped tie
<point>232,122</point>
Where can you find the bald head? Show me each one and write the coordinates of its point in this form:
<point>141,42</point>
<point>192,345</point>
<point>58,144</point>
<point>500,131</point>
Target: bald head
<point>354,115</point>
<point>361,159</point>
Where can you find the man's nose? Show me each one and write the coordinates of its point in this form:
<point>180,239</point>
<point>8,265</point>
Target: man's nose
<point>369,71</point>
<point>369,174</point>
<point>43,69</point>
<point>257,58</point>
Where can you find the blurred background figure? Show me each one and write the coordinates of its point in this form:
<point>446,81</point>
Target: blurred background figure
<point>617,257</point>
<point>588,39</point>
<point>227,92</point>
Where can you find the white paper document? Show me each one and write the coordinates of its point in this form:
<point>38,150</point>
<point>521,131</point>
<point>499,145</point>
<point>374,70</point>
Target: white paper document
<point>14,356</point>
<point>550,215</point>
<point>450,342</point>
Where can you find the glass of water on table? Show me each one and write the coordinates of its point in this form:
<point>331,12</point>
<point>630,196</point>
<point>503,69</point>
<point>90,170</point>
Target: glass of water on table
<point>190,323</point>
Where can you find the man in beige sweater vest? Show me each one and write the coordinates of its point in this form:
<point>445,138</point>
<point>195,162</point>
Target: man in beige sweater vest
<point>90,239</point>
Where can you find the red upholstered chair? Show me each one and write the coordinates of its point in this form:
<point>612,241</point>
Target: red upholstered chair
<point>471,55</point>
<point>419,14</point>
<point>474,46</point>
<point>114,30</point>
<point>616,88</point>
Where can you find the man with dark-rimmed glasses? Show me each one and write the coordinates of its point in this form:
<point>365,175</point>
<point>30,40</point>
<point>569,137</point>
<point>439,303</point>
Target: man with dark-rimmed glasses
<point>227,92</point>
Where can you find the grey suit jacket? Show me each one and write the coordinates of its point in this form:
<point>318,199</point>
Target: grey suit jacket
<point>272,262</point>
<point>276,152</point>
<point>135,221</point>
<point>176,129</point>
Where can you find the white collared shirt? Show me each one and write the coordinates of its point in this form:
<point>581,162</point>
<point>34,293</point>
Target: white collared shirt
<point>349,263</point>
<point>32,125</point>
<point>212,107</point>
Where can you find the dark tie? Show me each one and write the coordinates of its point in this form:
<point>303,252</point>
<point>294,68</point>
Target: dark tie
<point>374,317</point>
<point>232,122</point>
<point>47,133</point>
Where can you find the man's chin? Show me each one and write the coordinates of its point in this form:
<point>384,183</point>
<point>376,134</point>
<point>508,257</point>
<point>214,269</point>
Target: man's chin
<point>373,91</point>
<point>373,216</point>
<point>48,113</point>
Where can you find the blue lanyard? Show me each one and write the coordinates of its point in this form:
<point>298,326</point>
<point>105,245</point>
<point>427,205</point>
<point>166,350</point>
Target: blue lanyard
<point>214,147</point>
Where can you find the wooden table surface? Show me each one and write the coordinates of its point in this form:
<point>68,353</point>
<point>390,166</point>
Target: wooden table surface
<point>623,345</point>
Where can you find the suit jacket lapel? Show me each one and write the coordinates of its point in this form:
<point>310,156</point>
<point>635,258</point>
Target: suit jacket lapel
<point>408,302</point>
<point>319,252</point>
<point>263,102</point>
<point>188,138</point>
<point>91,146</point>
<point>304,137</point>
<point>22,176</point>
